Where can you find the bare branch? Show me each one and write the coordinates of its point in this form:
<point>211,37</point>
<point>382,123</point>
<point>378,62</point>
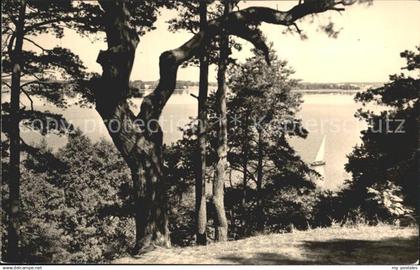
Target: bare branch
<point>8,85</point>
<point>297,28</point>
<point>30,99</point>
<point>36,44</point>
<point>338,10</point>
<point>36,77</point>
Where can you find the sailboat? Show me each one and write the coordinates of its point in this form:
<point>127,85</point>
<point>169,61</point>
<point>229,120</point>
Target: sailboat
<point>319,159</point>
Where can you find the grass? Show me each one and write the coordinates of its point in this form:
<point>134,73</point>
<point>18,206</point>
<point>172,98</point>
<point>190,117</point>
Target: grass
<point>362,244</point>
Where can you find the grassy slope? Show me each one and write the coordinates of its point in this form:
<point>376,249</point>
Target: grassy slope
<point>336,245</point>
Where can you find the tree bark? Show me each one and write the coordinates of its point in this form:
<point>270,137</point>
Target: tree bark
<point>221,225</point>
<point>245,149</point>
<point>260,213</point>
<point>138,138</point>
<point>200,185</point>
<point>13,251</point>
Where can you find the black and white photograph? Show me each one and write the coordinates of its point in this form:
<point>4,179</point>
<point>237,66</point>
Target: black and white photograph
<point>210,132</point>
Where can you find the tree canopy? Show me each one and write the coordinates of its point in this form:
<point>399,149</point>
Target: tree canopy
<point>384,185</point>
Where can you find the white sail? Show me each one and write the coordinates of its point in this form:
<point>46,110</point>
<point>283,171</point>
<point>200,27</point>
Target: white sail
<point>321,152</point>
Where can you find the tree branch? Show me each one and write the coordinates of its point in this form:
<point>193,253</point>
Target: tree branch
<point>10,45</point>
<point>36,25</point>
<point>241,23</point>
<point>5,42</point>
<point>8,85</point>
<point>36,44</point>
<point>12,18</point>
<point>37,82</point>
<point>25,92</point>
<point>29,97</point>
<point>36,77</point>
<point>240,169</point>
<point>297,28</point>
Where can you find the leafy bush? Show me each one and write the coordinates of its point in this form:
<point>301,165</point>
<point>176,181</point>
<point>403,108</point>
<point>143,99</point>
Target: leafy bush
<point>78,212</point>
<point>389,199</point>
<point>384,167</point>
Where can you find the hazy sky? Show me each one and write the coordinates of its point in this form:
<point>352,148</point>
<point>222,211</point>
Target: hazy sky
<point>367,48</point>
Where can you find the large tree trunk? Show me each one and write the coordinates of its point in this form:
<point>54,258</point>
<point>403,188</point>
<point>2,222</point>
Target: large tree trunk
<point>260,213</point>
<point>138,138</point>
<point>13,252</point>
<point>200,184</point>
<point>221,226</point>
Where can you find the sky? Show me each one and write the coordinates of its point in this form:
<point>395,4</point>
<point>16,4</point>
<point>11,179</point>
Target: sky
<point>366,49</point>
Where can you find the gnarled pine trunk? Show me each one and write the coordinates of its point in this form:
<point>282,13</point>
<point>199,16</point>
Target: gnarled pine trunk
<point>138,138</point>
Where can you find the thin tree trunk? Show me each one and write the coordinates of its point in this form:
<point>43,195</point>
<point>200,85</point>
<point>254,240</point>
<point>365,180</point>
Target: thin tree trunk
<point>200,185</point>
<point>13,252</point>
<point>244,178</point>
<point>260,213</point>
<point>245,149</point>
<point>221,226</point>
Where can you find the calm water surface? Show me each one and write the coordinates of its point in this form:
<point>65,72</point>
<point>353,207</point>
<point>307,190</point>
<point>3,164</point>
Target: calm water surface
<point>330,115</point>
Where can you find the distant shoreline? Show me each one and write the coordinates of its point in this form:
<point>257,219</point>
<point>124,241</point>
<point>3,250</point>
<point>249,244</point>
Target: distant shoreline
<point>327,91</point>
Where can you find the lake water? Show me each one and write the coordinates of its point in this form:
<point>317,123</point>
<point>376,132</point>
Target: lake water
<point>323,114</point>
<point>332,116</point>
